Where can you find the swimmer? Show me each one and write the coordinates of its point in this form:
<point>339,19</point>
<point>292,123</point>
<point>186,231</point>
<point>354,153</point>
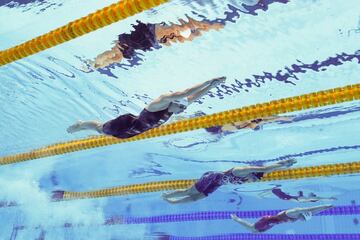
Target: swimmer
<point>255,124</point>
<point>291,215</point>
<point>211,181</point>
<point>152,116</point>
<point>148,36</point>
<point>311,197</point>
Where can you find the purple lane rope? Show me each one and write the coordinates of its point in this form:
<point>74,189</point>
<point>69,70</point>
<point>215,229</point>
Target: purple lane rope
<point>251,236</point>
<point>220,215</point>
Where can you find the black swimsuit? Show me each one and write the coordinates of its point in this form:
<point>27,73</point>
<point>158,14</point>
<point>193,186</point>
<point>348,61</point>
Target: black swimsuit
<point>210,181</point>
<point>284,196</point>
<point>142,38</point>
<point>128,125</point>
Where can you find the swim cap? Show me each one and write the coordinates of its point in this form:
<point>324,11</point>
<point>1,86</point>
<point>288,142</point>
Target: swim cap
<point>258,175</point>
<point>185,33</point>
<point>182,101</point>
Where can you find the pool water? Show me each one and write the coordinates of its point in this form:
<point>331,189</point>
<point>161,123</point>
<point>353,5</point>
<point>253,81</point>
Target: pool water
<point>267,50</point>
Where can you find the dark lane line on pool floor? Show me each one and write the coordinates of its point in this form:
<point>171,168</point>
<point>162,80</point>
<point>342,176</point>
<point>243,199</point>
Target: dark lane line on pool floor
<point>152,156</point>
<point>288,75</point>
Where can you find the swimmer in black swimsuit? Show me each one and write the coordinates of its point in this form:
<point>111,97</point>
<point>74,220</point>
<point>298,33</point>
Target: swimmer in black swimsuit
<point>145,37</point>
<point>211,181</point>
<point>291,215</point>
<point>153,115</point>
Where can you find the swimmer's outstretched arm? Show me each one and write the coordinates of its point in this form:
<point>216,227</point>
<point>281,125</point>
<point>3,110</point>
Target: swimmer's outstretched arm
<point>278,118</point>
<point>244,223</point>
<point>164,100</point>
<point>315,199</point>
<point>265,169</point>
<point>326,198</point>
<point>317,209</point>
<point>86,125</point>
<point>192,98</point>
<point>294,212</point>
<point>193,90</point>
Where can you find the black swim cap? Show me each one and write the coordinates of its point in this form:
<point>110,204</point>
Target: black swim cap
<point>258,175</point>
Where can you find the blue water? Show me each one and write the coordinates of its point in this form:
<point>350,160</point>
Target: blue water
<point>267,51</point>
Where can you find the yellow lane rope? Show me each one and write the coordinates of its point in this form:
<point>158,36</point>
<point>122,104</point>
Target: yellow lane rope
<point>291,104</point>
<point>294,173</point>
<point>77,28</point>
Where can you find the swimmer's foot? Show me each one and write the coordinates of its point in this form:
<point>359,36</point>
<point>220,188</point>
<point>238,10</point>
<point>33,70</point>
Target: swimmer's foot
<point>217,81</point>
<point>75,127</point>
<point>165,196</point>
<point>170,200</point>
<point>88,66</point>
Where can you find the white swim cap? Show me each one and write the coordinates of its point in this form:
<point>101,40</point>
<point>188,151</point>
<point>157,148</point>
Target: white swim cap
<point>182,101</point>
<point>186,33</point>
<point>307,215</point>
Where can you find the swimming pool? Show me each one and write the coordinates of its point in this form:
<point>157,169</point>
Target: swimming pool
<point>267,51</point>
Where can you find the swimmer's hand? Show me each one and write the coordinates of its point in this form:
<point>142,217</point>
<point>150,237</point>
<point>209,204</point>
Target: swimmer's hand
<point>75,127</point>
<point>287,163</point>
<point>88,66</point>
<point>216,81</point>
<point>234,217</point>
<point>217,26</point>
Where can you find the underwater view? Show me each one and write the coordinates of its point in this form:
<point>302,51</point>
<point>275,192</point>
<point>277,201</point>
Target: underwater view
<point>181,119</point>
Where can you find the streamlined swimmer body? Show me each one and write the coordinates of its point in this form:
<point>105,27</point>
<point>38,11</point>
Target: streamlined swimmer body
<point>291,215</point>
<point>148,36</point>
<point>255,124</point>
<point>153,115</point>
<point>211,181</point>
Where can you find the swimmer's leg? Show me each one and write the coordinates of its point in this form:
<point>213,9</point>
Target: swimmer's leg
<point>191,197</point>
<point>247,225</point>
<point>85,125</point>
<point>183,196</point>
<point>176,194</point>
<point>295,212</point>
<point>264,194</point>
<point>182,193</point>
<point>182,200</point>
